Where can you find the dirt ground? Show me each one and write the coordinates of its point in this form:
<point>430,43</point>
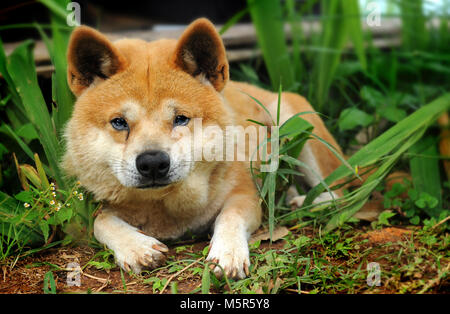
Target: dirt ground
<point>27,275</point>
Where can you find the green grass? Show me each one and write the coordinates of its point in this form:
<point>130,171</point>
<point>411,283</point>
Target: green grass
<point>33,133</point>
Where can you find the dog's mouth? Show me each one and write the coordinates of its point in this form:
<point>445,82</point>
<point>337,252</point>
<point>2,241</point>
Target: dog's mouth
<point>152,185</point>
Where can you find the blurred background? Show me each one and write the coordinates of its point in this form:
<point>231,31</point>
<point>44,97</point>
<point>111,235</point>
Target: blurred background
<point>318,48</point>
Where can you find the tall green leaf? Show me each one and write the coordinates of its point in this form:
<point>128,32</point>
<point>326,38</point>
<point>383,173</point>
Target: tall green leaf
<point>22,70</point>
<point>414,32</point>
<point>7,77</point>
<point>425,172</point>
<point>297,36</point>
<point>353,16</point>
<point>57,48</point>
<point>333,38</point>
<point>267,18</point>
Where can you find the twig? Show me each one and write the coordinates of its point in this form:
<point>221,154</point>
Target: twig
<point>102,280</point>
<point>104,285</point>
<point>441,222</point>
<point>4,273</point>
<point>297,291</point>
<point>178,273</point>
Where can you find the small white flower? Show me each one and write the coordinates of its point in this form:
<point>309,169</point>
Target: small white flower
<point>68,204</point>
<point>26,205</point>
<point>80,196</point>
<point>75,192</point>
<point>52,202</point>
<point>54,193</point>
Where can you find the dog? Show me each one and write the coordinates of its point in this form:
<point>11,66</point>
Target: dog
<point>133,100</point>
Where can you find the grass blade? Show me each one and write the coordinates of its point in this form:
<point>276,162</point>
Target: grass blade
<point>267,18</point>
<point>297,38</point>
<point>233,20</point>
<point>414,32</point>
<point>362,194</point>
<point>23,74</point>
<point>334,37</point>
<point>206,280</point>
<point>425,171</point>
<point>353,17</point>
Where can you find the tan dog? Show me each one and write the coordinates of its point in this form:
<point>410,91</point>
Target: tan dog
<point>134,98</point>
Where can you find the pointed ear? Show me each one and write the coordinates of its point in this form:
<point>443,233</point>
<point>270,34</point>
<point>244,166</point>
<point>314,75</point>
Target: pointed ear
<point>91,56</point>
<point>201,53</point>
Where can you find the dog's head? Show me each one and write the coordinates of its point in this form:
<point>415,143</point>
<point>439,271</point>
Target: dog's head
<point>132,123</point>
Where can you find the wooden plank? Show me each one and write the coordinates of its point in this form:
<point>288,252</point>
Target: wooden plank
<point>235,39</point>
<point>236,55</point>
<point>238,35</point>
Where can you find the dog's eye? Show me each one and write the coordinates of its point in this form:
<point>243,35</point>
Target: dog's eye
<point>119,124</point>
<point>181,120</point>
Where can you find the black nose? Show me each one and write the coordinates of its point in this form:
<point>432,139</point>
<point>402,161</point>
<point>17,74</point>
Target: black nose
<point>153,164</point>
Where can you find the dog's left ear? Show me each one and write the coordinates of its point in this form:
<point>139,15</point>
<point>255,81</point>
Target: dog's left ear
<point>200,52</point>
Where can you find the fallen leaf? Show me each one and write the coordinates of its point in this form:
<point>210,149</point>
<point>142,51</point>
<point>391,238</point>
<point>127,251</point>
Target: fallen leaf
<point>277,234</point>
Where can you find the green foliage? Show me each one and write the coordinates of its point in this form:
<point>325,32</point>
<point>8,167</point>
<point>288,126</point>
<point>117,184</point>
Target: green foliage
<point>339,21</point>
<point>414,33</point>
<point>34,128</point>
<point>383,218</point>
<point>20,74</point>
<point>384,150</point>
<point>206,280</point>
<point>351,118</point>
<point>32,217</point>
<point>267,18</point>
<point>424,165</point>
<point>103,260</point>
<point>292,135</point>
<point>157,283</point>
<point>417,208</point>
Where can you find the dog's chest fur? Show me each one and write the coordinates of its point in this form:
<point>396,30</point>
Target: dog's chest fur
<point>189,207</point>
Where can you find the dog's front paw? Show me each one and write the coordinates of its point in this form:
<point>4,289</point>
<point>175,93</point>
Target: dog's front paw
<point>231,254</point>
<point>139,251</point>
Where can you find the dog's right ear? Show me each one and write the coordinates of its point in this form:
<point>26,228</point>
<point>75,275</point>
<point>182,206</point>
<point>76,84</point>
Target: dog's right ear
<point>91,56</point>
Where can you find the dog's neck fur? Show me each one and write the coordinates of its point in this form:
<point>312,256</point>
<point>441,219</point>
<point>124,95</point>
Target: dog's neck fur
<point>187,206</point>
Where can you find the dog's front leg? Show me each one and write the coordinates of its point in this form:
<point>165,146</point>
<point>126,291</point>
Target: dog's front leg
<point>133,250</point>
<point>240,216</point>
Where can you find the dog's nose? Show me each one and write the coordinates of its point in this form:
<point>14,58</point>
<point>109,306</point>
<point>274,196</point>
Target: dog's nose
<point>153,164</point>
